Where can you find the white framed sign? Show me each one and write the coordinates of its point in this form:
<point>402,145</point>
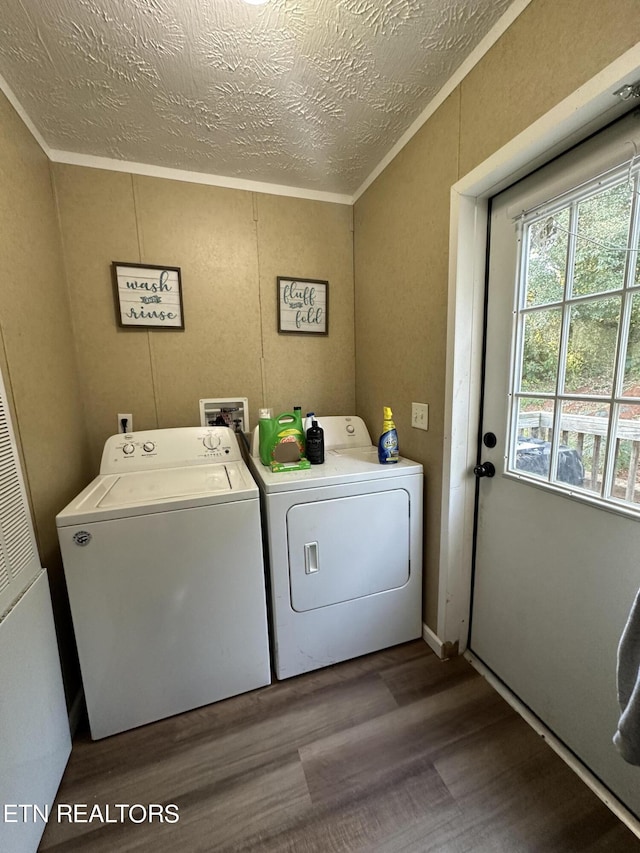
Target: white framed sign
<point>148,296</point>
<point>303,306</point>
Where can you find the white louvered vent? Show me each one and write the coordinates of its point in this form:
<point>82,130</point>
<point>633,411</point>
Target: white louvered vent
<point>19,560</point>
<point>4,573</point>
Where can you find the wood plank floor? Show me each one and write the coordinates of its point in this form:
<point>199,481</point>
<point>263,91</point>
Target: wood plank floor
<point>396,751</point>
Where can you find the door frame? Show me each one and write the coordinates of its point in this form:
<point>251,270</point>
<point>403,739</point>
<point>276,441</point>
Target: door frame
<point>582,113</point>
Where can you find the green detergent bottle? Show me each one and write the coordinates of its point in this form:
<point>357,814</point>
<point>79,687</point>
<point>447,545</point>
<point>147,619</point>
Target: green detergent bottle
<point>265,435</point>
<point>281,439</point>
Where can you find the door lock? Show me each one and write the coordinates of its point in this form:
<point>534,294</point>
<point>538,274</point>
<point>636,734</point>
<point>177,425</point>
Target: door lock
<point>487,469</point>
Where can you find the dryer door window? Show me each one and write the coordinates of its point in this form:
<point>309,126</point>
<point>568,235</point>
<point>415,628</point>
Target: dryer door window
<point>347,548</point>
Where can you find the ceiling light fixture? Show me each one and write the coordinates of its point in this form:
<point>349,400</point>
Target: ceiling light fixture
<point>256,2</point>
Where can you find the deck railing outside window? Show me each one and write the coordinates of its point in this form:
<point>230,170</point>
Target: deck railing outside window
<point>582,447</point>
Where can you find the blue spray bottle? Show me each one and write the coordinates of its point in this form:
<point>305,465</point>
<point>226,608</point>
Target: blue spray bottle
<point>388,443</point>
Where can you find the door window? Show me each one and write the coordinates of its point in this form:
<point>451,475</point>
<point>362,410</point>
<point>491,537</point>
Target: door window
<point>575,379</point>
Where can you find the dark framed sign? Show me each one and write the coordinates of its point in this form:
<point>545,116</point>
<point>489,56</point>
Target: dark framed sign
<point>148,296</point>
<point>303,306</point>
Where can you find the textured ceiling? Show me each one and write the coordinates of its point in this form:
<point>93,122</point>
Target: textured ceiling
<point>301,93</point>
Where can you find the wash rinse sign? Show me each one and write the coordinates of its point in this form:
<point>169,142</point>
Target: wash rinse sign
<point>147,295</point>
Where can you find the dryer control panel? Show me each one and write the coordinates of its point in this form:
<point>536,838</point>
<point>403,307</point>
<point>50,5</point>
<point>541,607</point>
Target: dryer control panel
<point>344,431</point>
<point>169,448</point>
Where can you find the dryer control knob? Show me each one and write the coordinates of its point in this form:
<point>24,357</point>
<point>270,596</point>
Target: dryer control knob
<point>351,429</point>
<point>148,447</point>
<point>128,449</point>
<point>211,441</point>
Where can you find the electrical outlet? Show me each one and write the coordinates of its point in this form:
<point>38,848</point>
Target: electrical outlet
<point>125,423</point>
<point>420,415</point>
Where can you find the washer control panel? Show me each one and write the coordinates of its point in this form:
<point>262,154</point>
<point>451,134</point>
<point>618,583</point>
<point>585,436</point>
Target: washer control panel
<point>169,448</point>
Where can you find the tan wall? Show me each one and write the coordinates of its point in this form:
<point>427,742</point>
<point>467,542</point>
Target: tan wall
<point>402,220</point>
<point>550,50</point>
<point>230,245</point>
<point>37,356</point>
<point>315,240</point>
<point>401,233</point>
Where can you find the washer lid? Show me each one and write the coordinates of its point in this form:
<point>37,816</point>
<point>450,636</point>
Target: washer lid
<point>151,486</point>
<point>141,492</point>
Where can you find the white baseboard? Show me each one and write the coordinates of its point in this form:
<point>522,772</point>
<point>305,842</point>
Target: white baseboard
<point>565,754</point>
<point>433,641</point>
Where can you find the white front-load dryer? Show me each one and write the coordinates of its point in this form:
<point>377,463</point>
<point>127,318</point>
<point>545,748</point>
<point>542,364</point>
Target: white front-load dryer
<point>344,551</point>
<point>163,562</point>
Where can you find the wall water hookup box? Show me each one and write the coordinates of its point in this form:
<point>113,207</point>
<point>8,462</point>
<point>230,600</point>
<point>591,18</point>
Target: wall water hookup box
<point>225,411</point>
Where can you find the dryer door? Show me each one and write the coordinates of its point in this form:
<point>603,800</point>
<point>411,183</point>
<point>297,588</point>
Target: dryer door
<point>347,548</point>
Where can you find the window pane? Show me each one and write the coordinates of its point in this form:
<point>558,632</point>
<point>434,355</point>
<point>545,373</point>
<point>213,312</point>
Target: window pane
<point>547,259</point>
<point>540,350</point>
<point>533,444</point>
<point>601,242</point>
<point>582,449</point>
<point>631,382</point>
<point>626,485</point>
<point>591,352</point>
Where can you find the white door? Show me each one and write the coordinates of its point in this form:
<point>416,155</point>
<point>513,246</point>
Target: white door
<point>558,527</point>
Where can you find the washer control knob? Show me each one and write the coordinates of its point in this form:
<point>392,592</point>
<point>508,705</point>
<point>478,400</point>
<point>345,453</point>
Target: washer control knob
<point>351,429</point>
<point>211,441</point>
<point>148,447</point>
<point>128,449</point>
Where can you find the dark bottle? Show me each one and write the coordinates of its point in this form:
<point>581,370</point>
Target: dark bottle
<point>315,443</point>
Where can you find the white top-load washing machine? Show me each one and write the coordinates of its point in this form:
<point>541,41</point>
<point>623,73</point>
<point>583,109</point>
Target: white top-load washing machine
<point>163,561</point>
<point>344,551</point>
